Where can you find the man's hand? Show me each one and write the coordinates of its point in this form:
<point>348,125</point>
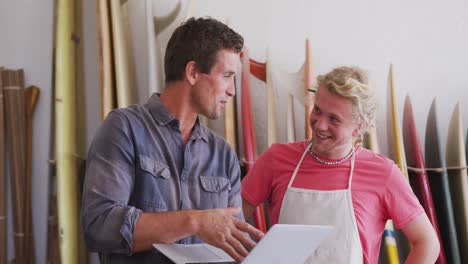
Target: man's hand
<point>220,228</point>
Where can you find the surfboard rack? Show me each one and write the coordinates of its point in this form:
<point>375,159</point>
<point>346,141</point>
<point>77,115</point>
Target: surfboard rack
<point>437,169</point>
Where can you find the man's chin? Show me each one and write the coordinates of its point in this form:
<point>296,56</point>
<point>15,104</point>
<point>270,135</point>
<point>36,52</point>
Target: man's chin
<point>213,116</point>
<point>319,148</point>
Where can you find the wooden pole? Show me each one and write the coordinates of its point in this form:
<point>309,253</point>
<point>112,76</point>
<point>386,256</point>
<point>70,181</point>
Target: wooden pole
<point>3,227</point>
<point>31,95</point>
<point>53,253</point>
<point>66,49</point>
<point>14,101</point>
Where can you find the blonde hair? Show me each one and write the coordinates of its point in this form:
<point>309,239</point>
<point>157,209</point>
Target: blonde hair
<point>352,84</point>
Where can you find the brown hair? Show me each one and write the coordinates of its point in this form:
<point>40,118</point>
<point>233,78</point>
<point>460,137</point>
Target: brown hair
<point>198,40</point>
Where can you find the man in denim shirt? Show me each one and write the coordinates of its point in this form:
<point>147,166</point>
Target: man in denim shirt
<point>155,174</point>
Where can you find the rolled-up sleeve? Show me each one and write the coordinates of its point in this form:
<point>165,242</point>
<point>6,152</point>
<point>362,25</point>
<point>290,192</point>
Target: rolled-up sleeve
<point>107,220</point>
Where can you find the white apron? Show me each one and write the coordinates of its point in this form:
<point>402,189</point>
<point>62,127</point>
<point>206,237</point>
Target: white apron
<point>316,207</point>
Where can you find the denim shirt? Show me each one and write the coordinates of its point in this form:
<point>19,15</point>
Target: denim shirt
<point>138,163</point>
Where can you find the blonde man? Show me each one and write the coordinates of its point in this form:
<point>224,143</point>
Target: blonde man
<point>331,180</point>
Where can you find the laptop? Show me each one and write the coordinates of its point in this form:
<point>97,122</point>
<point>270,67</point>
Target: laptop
<point>282,244</point>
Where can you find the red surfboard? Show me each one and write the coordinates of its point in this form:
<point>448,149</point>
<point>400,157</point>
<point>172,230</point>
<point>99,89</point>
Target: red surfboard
<point>250,147</point>
<point>418,176</point>
<point>258,69</point>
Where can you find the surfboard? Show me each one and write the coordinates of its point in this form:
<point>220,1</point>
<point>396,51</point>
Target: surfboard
<point>458,178</point>
<point>106,70</point>
<point>157,24</point>
<point>395,140</point>
<point>439,184</point>
<point>417,174</point>
<point>3,189</point>
<point>390,244</point>
<point>291,125</point>
<point>289,86</point>
<point>250,147</point>
<point>238,106</point>
<point>308,84</point>
<point>272,133</point>
<point>396,151</point>
<point>80,103</point>
<point>262,71</point>
<point>258,69</point>
<point>153,84</point>
<point>67,51</point>
<point>230,123</point>
<point>230,112</point>
<point>123,60</point>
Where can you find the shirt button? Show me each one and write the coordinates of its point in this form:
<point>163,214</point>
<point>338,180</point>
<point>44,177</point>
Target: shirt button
<point>181,147</point>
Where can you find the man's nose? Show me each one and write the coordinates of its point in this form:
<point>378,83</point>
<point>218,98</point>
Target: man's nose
<point>231,90</point>
<point>321,123</point>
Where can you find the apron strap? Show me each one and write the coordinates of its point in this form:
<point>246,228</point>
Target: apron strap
<point>353,158</point>
<point>299,164</point>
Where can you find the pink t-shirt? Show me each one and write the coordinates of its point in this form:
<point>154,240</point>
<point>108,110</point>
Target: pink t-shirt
<point>379,191</point>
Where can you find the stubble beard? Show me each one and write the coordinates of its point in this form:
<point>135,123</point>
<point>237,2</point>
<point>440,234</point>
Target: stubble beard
<point>213,113</point>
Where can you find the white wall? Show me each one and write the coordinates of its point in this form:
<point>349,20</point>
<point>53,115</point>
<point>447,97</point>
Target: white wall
<point>425,40</point>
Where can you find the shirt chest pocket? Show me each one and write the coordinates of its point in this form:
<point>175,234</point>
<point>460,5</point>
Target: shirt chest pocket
<point>214,192</point>
<point>153,192</point>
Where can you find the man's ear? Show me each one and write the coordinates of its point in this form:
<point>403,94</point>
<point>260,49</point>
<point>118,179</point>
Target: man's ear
<point>357,130</point>
<point>191,72</point>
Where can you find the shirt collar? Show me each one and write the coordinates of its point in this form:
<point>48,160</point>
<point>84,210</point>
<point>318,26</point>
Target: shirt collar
<point>199,130</point>
<point>163,117</point>
<point>159,112</point>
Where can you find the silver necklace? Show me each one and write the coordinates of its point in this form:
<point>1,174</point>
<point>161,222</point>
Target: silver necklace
<point>331,163</point>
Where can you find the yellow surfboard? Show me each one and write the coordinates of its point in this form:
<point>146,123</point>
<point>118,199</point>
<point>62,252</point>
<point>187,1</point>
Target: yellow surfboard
<point>106,72</point>
<point>390,243</point>
<point>396,148</point>
<point>395,140</point>
<point>123,59</point>
<point>272,135</point>
<point>230,123</point>
<point>308,83</point>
